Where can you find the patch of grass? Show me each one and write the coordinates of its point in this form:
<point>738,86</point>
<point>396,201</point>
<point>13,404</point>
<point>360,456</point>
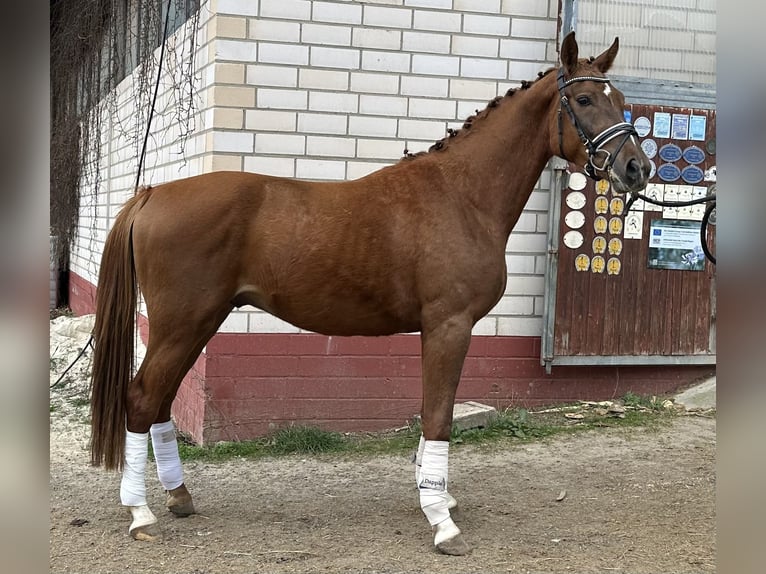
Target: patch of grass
<point>630,399</point>
<point>291,440</point>
<point>510,425</point>
<point>305,440</point>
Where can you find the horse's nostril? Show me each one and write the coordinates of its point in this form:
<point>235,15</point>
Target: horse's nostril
<point>635,171</point>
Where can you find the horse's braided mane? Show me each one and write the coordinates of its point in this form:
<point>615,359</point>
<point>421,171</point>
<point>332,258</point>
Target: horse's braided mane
<point>493,103</point>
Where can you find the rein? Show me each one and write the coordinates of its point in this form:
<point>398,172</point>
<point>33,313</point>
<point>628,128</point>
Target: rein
<point>593,146</point>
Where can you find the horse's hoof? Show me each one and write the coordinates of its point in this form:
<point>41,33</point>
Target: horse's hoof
<point>455,546</point>
<point>179,501</point>
<point>449,540</point>
<point>144,526</point>
<point>147,533</point>
<point>451,502</point>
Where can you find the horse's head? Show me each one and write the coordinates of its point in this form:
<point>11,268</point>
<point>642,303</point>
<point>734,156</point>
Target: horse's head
<point>590,129</point>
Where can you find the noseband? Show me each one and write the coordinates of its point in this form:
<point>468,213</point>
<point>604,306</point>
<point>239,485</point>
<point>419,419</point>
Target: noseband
<point>593,146</point>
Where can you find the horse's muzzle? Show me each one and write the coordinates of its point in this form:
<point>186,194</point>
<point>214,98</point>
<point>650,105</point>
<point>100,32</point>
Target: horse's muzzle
<point>634,177</point>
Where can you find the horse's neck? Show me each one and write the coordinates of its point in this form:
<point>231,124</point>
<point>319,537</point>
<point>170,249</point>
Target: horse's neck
<point>503,156</point>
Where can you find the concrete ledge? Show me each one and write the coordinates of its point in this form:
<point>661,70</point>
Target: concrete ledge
<point>470,414</point>
<point>698,397</point>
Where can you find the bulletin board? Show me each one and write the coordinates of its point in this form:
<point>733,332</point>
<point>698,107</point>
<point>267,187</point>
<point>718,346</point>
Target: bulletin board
<point>636,288</point>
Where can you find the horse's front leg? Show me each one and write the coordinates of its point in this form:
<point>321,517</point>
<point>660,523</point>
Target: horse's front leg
<point>444,348</point>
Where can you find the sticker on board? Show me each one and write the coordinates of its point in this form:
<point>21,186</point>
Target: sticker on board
<point>692,174</point>
<point>684,196</point>
<point>600,224</point>
<point>573,239</point>
<point>574,219</point>
<point>650,148</point>
<point>661,125</point>
<point>599,244</point>
<point>615,246</point>
<point>598,264</point>
<point>616,206</point>
<point>680,127</point>
<point>613,266</point>
<point>634,225</point>
<point>575,199</point>
<point>669,172</point>
<point>670,152</point>
<point>693,154</point>
<point>654,191</point>
<point>671,195</point>
<point>643,126</point>
<point>697,128</point>
<point>582,262</point>
<point>577,181</point>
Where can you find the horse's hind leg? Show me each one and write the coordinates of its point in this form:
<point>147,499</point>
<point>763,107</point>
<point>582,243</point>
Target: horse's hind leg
<point>165,447</point>
<point>174,345</point>
<point>169,469</point>
<point>445,345</point>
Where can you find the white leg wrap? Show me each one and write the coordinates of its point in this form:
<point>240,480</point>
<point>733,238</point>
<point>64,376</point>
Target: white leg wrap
<point>165,447</point>
<point>451,502</point>
<point>432,484</point>
<point>133,485</point>
<point>419,459</point>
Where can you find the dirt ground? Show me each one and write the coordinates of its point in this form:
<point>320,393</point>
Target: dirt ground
<point>637,501</point>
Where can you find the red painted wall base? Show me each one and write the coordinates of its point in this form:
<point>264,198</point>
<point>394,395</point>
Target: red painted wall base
<point>247,385</point>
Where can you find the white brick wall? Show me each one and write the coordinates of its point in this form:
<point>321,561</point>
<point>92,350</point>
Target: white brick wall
<point>334,90</point>
<point>681,35</point>
<point>123,127</point>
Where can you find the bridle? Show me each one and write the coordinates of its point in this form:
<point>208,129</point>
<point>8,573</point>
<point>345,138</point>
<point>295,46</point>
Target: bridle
<point>593,146</point>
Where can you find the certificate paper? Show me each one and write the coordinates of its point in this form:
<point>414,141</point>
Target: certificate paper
<point>697,128</point>
<point>680,127</point>
<point>661,125</point>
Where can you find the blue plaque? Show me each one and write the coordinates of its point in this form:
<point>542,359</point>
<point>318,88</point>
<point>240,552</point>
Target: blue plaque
<point>693,154</point>
<point>668,172</point>
<point>692,174</point>
<point>670,152</point>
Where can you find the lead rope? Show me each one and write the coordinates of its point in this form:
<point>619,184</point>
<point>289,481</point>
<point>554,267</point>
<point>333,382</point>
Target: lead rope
<point>89,342</point>
<point>711,204</point>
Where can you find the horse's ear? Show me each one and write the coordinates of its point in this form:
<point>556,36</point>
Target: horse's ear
<point>605,60</point>
<point>569,53</point>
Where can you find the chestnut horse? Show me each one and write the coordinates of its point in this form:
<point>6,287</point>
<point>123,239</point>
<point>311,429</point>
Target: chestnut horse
<point>418,246</point>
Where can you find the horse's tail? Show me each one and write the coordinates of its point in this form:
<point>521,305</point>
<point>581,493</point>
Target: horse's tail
<point>114,339</point>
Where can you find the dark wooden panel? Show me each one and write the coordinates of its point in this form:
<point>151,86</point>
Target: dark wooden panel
<point>640,311</point>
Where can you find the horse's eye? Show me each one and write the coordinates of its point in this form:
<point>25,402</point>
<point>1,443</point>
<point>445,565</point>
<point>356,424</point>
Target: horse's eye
<point>583,100</point>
